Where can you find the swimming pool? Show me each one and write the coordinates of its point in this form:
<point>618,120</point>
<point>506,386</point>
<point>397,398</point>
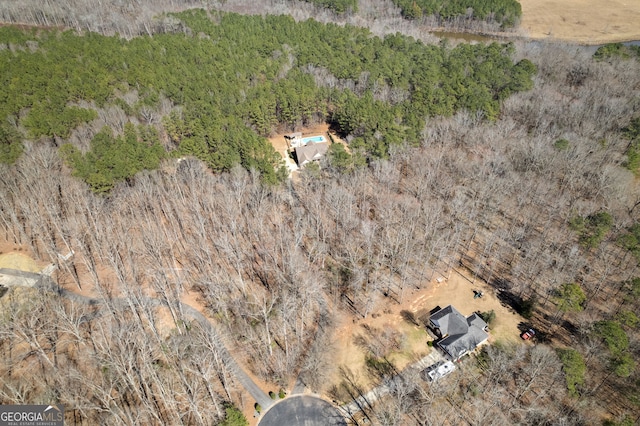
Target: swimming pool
<point>314,139</point>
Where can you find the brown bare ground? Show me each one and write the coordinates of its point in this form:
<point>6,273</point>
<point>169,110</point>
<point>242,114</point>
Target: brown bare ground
<point>280,145</point>
<point>457,290</point>
<point>581,21</point>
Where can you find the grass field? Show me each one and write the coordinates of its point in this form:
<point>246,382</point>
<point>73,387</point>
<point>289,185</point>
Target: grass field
<point>581,21</point>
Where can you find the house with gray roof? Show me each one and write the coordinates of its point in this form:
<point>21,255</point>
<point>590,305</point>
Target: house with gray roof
<point>459,334</point>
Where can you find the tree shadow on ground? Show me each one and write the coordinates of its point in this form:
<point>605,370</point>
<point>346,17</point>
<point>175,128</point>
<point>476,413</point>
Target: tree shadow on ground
<point>524,307</point>
<point>541,336</point>
<point>409,317</point>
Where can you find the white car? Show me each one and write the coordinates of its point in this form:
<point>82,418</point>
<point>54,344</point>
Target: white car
<point>438,370</point>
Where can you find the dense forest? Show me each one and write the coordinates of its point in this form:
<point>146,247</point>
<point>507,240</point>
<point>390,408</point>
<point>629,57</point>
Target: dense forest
<point>145,159</point>
<point>338,6</point>
<point>131,19</point>
<point>218,87</point>
<point>505,12</point>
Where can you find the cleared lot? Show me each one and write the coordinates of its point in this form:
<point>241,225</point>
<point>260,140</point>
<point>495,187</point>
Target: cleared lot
<point>581,21</point>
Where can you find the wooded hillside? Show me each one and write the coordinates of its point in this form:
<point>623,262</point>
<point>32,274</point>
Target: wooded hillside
<point>212,89</point>
<point>513,162</point>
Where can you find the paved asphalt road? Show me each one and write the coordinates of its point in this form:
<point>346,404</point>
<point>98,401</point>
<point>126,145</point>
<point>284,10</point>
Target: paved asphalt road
<point>296,410</point>
<point>302,410</point>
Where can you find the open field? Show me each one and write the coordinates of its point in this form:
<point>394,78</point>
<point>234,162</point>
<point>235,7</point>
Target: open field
<point>581,21</point>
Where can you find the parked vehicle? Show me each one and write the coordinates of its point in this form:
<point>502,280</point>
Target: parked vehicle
<point>528,334</point>
<point>438,370</point>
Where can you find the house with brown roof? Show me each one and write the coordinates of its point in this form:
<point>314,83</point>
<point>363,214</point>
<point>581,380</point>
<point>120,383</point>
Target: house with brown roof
<point>313,151</point>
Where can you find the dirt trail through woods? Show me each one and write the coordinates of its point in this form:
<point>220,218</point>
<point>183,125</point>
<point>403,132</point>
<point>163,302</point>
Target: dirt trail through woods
<point>14,263</point>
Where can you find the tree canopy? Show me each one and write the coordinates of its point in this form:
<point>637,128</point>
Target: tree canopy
<point>505,12</point>
<point>338,6</point>
<point>617,342</point>
<point>234,417</point>
<point>230,80</point>
<point>574,369</point>
<point>592,229</point>
<point>113,159</point>
<point>570,297</point>
<point>630,240</point>
<point>632,133</point>
<point>617,50</point>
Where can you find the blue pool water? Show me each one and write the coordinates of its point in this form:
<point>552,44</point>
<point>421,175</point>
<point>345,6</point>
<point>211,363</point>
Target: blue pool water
<point>315,139</point>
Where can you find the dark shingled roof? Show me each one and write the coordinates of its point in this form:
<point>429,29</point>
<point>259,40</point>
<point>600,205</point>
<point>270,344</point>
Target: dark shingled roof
<point>461,334</point>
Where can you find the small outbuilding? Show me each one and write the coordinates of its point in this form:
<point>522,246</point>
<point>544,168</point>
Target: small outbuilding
<point>293,139</point>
